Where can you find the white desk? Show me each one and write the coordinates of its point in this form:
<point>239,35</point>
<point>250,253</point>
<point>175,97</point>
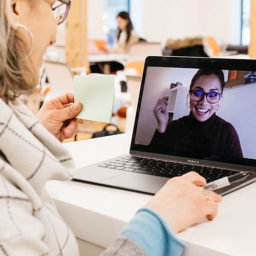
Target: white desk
<point>98,214</point>
<point>235,56</point>
<point>107,57</point>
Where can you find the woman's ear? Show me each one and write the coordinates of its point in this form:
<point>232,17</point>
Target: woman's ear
<point>12,13</point>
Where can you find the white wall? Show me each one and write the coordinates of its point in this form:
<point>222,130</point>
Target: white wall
<point>137,16</point>
<point>162,19</point>
<point>241,113</point>
<point>221,19</point>
<point>95,19</point>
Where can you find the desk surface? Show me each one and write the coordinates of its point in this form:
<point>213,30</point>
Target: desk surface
<point>98,214</point>
<point>107,57</point>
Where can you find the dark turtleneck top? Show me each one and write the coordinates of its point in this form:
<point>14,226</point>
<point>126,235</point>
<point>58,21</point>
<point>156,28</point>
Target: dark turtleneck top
<point>214,139</point>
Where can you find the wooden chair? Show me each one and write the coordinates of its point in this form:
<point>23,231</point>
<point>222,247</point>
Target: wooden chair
<point>212,46</point>
<point>136,65</point>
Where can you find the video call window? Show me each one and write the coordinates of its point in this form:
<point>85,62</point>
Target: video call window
<point>205,114</point>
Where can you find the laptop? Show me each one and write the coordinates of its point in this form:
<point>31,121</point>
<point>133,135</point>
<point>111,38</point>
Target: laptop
<point>215,138</point>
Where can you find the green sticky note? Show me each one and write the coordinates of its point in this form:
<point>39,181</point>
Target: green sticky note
<point>96,92</point>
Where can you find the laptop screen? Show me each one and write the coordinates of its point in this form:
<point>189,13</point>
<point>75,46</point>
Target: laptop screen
<point>198,108</point>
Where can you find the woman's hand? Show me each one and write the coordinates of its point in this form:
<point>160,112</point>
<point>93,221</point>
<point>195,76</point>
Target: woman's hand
<point>104,49</point>
<point>58,116</point>
<point>183,201</point>
<point>161,114</point>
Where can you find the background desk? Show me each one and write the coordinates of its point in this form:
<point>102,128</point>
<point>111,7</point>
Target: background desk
<point>105,59</point>
<point>98,214</point>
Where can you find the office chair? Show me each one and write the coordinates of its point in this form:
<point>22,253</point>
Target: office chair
<point>136,66</point>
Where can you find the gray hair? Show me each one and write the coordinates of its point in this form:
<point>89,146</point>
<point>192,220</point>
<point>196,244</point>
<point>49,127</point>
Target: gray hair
<point>13,69</point>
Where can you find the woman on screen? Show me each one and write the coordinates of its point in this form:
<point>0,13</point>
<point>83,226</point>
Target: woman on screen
<point>201,134</point>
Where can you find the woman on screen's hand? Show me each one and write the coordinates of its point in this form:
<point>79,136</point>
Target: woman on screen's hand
<point>161,110</point>
<point>161,114</point>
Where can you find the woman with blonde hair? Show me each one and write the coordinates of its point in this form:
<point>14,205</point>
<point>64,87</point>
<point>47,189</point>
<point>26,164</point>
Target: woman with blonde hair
<point>31,154</point>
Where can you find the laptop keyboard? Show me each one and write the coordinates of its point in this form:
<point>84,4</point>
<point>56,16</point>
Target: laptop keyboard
<point>164,168</point>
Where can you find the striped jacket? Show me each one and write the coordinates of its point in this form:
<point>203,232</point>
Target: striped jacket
<point>29,157</point>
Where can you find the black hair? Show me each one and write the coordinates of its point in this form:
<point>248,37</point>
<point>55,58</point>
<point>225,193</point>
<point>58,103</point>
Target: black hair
<point>202,72</point>
<point>129,27</point>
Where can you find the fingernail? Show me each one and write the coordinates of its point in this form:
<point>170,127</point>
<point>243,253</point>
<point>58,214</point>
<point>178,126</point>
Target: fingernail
<point>77,106</point>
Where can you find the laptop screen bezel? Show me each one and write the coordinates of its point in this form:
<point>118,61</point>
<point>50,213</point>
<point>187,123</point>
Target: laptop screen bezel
<point>193,63</point>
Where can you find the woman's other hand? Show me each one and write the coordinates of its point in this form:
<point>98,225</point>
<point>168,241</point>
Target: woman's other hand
<point>183,201</point>
<point>104,49</point>
<point>58,116</point>
<point>161,114</point>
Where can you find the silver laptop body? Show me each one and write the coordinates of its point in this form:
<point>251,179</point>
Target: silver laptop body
<point>238,108</point>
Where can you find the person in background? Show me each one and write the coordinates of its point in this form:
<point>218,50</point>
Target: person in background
<point>124,39</point>
<point>31,154</point>
<point>126,36</point>
<point>202,133</point>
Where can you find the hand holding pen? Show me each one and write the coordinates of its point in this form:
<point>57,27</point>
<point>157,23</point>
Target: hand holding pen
<point>226,181</point>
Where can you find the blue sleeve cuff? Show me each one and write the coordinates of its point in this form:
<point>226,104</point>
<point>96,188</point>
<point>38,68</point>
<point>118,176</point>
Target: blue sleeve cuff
<point>150,232</point>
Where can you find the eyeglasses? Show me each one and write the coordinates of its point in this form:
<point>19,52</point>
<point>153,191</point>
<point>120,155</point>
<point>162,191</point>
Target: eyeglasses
<point>60,10</point>
<point>198,95</point>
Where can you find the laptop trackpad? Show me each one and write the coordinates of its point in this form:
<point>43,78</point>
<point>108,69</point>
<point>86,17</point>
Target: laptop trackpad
<point>95,174</point>
<point>138,182</point>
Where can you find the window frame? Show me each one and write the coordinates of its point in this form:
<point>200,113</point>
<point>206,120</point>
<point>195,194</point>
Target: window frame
<point>242,26</point>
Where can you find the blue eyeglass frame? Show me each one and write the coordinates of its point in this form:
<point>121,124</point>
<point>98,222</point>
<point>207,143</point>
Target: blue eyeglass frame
<point>204,93</point>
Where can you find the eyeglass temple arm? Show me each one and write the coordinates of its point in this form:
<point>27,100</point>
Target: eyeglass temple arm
<point>68,2</point>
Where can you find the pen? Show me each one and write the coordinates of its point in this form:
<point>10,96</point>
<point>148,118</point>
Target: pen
<point>226,181</point>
